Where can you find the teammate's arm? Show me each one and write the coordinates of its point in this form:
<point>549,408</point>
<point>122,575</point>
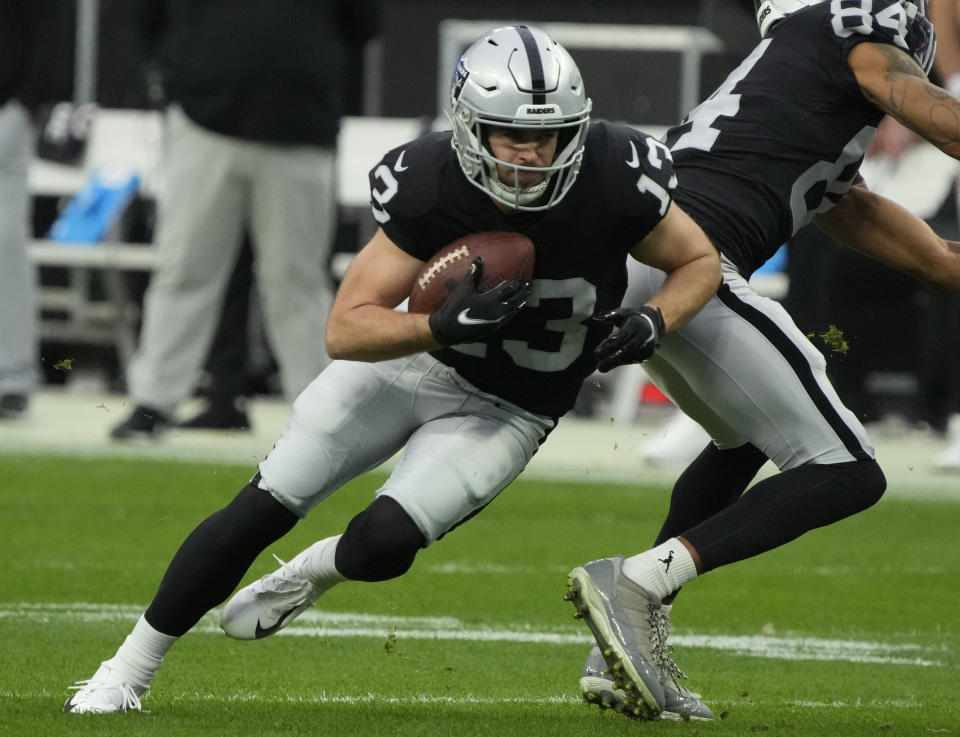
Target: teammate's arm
<point>881,229</point>
<point>896,84</point>
<point>679,247</point>
<point>363,325</point>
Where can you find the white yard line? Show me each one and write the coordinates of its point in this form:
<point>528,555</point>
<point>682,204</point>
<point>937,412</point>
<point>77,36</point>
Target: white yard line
<point>317,623</point>
<point>428,699</point>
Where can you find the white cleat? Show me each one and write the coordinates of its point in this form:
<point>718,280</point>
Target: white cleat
<point>272,602</point>
<point>104,693</point>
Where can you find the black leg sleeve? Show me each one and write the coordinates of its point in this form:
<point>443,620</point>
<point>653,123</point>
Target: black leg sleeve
<point>783,507</point>
<point>215,556</point>
<point>713,481</point>
<point>379,543</point>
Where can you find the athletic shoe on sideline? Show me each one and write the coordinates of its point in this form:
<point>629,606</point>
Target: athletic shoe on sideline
<point>144,422</point>
<point>219,416</point>
<point>13,406</point>
<point>949,458</point>
<point>272,602</point>
<point>104,693</point>
<point>621,616</point>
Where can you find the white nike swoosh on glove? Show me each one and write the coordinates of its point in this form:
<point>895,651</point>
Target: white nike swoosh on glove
<point>464,319</point>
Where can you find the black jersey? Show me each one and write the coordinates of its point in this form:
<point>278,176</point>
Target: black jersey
<point>539,360</point>
<point>783,138</point>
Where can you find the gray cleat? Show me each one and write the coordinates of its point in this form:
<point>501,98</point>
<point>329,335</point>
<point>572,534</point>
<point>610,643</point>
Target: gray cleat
<point>597,687</point>
<point>680,703</point>
<point>622,617</point>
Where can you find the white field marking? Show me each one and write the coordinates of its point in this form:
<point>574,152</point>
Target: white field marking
<point>317,623</point>
<point>422,698</point>
<point>808,648</point>
<point>859,704</point>
<point>428,699</point>
<point>461,568</point>
<point>847,571</point>
<point>477,635</point>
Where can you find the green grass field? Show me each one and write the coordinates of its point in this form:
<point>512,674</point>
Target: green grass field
<point>852,630</point>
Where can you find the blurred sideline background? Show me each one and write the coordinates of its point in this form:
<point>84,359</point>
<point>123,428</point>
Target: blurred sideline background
<point>644,64</point>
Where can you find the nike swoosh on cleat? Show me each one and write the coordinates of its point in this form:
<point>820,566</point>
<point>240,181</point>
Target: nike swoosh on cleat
<point>464,319</point>
<point>261,632</point>
<point>634,162</point>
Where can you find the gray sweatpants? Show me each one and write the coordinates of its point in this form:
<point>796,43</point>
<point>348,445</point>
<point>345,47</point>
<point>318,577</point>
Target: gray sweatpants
<point>214,186</point>
<point>18,319</point>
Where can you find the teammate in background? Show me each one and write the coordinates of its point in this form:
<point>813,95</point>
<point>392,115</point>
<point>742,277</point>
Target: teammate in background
<point>34,72</point>
<point>778,145</point>
<point>256,93</point>
<point>469,403</point>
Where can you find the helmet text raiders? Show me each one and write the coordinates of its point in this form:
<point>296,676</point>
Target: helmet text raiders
<point>518,77</point>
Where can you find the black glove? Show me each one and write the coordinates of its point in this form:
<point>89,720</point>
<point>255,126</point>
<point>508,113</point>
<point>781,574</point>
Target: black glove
<point>469,315</point>
<point>639,334</point>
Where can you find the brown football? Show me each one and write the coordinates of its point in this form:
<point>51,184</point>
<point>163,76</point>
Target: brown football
<point>505,256</point>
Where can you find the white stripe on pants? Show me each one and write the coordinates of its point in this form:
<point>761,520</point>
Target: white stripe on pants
<point>729,376</point>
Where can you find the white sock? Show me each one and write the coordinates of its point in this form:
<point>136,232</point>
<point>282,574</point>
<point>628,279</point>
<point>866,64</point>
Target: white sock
<point>663,569</point>
<point>141,654</point>
<point>320,566</point>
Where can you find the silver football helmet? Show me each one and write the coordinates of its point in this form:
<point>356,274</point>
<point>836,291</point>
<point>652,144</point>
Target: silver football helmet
<point>517,77</point>
<point>920,40</point>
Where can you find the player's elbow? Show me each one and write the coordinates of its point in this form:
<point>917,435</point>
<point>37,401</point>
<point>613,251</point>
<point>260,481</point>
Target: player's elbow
<point>339,346</point>
<point>339,349</point>
<point>943,270</point>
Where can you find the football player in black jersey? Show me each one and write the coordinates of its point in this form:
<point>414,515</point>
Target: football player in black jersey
<point>469,392</point>
<point>777,146</point>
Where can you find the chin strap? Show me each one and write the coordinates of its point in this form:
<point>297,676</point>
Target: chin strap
<point>525,196</point>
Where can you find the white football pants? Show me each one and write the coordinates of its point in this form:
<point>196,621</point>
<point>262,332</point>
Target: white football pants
<point>744,371</point>
<point>461,446</point>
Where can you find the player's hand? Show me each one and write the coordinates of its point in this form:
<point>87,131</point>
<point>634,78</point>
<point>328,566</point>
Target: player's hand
<point>639,334</point>
<point>468,315</point>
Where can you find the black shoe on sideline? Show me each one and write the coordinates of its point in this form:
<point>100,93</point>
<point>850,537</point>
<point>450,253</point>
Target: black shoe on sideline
<point>220,416</point>
<point>144,422</point>
<point>13,406</point>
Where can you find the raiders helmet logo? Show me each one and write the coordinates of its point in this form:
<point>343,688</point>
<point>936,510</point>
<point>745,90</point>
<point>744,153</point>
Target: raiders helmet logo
<point>459,79</point>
